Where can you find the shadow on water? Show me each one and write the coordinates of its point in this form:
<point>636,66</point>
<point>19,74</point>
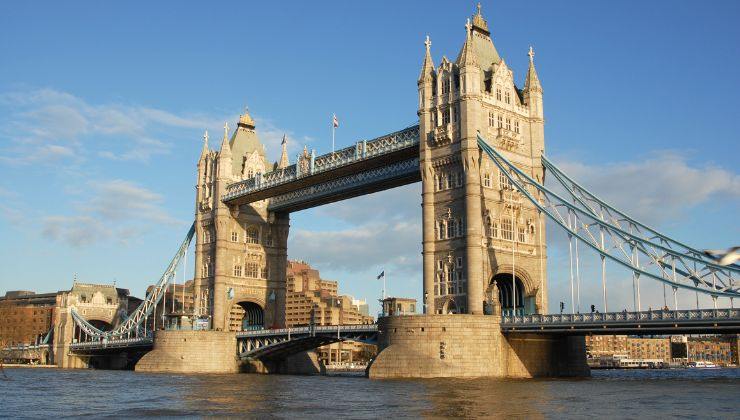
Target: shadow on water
<point>74,393</point>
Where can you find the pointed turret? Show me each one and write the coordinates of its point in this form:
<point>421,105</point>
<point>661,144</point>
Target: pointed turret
<point>427,67</point>
<point>479,43</point>
<point>284,162</point>
<point>204,151</point>
<point>532,82</point>
<point>467,55</point>
<point>224,155</point>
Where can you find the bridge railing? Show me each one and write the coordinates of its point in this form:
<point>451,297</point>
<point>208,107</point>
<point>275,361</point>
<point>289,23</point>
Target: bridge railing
<point>307,330</point>
<point>124,342</point>
<point>362,150</point>
<point>621,317</point>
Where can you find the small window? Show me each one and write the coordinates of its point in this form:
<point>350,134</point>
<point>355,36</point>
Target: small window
<point>522,234</point>
<point>507,229</point>
<point>498,94</point>
<point>459,262</point>
<point>500,121</point>
<point>237,270</point>
<point>516,126</point>
<point>234,236</point>
<point>446,116</point>
<point>491,119</point>
<point>252,235</point>
<point>451,228</point>
<point>504,181</point>
<point>487,180</point>
<point>508,124</point>
<point>508,97</point>
<point>440,182</point>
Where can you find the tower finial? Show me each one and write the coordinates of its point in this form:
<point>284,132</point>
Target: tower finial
<point>428,43</point>
<point>531,54</point>
<point>205,139</point>
<point>468,26</point>
<point>478,7</point>
<point>226,129</point>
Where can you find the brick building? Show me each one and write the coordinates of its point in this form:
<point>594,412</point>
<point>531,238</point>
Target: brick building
<point>25,317</point>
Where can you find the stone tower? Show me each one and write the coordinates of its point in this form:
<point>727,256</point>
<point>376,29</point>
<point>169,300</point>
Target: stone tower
<point>241,251</point>
<point>483,243</point>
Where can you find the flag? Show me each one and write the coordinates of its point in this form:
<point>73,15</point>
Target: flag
<point>334,121</point>
<point>381,275</point>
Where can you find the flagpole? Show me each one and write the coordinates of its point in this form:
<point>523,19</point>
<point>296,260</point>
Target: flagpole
<point>384,283</point>
<point>333,127</point>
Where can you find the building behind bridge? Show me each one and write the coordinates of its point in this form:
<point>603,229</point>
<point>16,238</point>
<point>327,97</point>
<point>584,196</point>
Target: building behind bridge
<point>604,350</point>
<point>311,297</point>
<point>25,317</point>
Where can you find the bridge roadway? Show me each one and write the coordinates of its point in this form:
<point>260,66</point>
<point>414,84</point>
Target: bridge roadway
<point>369,166</point>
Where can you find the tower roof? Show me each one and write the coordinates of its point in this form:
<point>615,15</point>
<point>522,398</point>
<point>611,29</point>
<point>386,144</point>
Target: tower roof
<point>482,44</point>
<point>245,141</point>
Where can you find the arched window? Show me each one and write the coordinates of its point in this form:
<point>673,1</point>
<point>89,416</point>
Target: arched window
<point>460,228</point>
<point>489,232</point>
<point>451,228</point>
<point>253,236</point>
<point>442,229</point>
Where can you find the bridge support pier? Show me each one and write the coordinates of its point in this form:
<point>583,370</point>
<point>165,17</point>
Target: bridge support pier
<point>433,346</point>
<point>191,352</point>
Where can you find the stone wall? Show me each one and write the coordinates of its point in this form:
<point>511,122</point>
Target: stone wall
<point>191,352</point>
<point>433,346</point>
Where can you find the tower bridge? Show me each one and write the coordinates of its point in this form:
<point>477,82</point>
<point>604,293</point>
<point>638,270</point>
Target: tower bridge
<point>479,152</point>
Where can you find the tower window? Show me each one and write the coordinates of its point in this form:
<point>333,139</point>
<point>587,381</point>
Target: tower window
<point>507,229</point>
<point>446,116</point>
<point>522,234</point>
<point>487,180</point>
<point>491,119</point>
<point>459,262</point>
<point>237,270</point>
<point>441,229</point>
<point>516,126</point>
<point>234,236</point>
<point>451,228</point>
<point>440,182</point>
<point>252,270</point>
<point>498,94</point>
<point>508,97</point>
<point>508,124</point>
<point>504,181</point>
<point>500,121</point>
<point>252,235</point>
<point>450,180</point>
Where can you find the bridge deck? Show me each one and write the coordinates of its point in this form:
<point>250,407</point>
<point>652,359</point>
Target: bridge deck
<point>368,166</point>
<point>705,321</point>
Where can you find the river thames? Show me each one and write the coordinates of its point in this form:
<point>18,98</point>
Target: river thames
<point>99,393</point>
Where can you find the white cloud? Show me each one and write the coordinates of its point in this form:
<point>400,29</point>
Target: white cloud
<point>115,209</point>
<point>664,186</point>
<point>46,125</point>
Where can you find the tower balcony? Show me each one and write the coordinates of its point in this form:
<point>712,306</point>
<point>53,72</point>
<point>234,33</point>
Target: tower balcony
<point>444,134</point>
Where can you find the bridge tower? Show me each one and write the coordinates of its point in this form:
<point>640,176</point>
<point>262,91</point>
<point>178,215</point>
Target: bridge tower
<point>483,243</point>
<point>240,251</point>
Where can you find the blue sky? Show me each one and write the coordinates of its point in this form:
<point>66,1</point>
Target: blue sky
<point>102,109</point>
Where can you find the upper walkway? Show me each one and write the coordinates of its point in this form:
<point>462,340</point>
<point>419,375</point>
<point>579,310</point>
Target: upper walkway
<point>369,166</point>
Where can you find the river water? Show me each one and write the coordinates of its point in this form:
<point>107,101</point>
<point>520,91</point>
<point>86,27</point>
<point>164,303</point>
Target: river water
<point>607,394</point>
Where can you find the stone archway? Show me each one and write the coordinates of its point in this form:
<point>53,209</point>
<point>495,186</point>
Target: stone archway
<point>449,307</point>
<point>511,294</point>
<point>246,315</point>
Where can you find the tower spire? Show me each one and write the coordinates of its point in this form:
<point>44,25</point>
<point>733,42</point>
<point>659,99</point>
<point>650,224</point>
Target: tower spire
<point>204,151</point>
<point>532,82</point>
<point>225,147</point>
<point>427,67</point>
<point>284,162</point>
<point>467,55</point>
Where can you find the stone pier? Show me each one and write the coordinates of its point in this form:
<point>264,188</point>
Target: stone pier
<point>216,352</point>
<point>433,346</point>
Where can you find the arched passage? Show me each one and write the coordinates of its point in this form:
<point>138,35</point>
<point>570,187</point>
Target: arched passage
<point>449,307</point>
<point>246,316</point>
<point>511,303</point>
